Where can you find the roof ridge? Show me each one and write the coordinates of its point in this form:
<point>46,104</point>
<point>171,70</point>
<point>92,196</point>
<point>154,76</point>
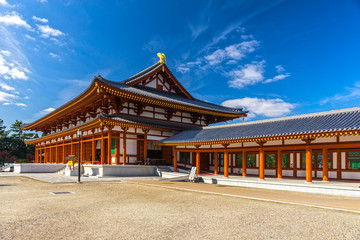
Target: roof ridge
<point>135,76</point>
<point>307,115</point>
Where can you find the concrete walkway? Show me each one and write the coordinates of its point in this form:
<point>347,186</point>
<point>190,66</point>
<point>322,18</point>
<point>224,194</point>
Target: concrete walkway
<point>340,203</point>
<point>61,178</point>
<point>339,188</point>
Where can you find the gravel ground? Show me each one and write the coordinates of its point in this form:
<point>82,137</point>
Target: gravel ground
<point>121,210</point>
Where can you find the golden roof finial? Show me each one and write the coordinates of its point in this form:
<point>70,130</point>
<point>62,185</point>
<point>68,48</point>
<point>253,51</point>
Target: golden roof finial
<point>162,57</point>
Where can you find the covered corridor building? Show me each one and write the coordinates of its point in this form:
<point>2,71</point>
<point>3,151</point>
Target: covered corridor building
<point>151,116</point>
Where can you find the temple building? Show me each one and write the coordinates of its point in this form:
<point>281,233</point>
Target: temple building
<point>150,118</point>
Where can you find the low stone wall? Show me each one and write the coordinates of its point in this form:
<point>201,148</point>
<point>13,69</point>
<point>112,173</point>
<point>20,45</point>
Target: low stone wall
<point>37,167</point>
<point>119,170</point>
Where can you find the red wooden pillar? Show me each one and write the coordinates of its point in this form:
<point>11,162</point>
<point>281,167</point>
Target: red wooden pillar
<point>226,163</point>
<point>244,163</point>
<point>216,167</point>
<point>109,146</point>
<point>102,157</point>
<point>57,152</point>
<point>261,164</point>
<point>175,161</point>
<point>93,150</point>
<point>279,164</point>
<point>308,164</point>
<point>197,162</point>
<point>124,145</point>
<point>145,144</point>
<point>325,165</point>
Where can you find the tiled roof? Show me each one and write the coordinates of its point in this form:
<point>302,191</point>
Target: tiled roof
<point>170,97</point>
<point>331,121</point>
<point>149,122</point>
<point>143,73</point>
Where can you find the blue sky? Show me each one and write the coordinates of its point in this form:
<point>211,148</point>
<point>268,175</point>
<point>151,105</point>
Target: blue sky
<point>274,58</point>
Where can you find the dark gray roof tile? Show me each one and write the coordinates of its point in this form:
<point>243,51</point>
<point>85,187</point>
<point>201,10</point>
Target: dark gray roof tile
<point>338,120</point>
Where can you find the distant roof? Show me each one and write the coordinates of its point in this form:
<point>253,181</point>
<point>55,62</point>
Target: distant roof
<point>322,122</point>
<point>170,97</point>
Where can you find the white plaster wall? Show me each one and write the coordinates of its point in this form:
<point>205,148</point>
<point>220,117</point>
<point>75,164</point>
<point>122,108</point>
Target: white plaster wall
<point>160,110</point>
<point>350,138</point>
<point>291,161</point>
<point>294,141</point>
<point>131,148</point>
<point>270,172</point>
<point>185,114</point>
<point>257,160</point>
<point>131,136</point>
<point>235,145</point>
<point>149,108</point>
<point>160,116</point>
<point>168,134</point>
<point>332,174</point>
<point>176,119</point>
<point>152,84</point>
<point>301,173</point>
<point>343,160</point>
<point>298,162</point>
<point>319,174</point>
<point>186,120</point>
<point>250,144</point>
<point>271,143</point>
<point>217,146</point>
<point>324,140</point>
<point>155,132</point>
<point>334,160</point>
<point>205,146</point>
<point>287,173</point>
<point>236,171</point>
<point>350,175</point>
<point>252,171</point>
<point>147,114</point>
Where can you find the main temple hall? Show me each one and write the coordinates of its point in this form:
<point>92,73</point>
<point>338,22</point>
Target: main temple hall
<point>150,118</point>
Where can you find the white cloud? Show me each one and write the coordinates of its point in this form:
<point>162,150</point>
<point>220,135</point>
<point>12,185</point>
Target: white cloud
<point>47,31</point>
<point>53,55</point>
<point>281,75</point>
<point>277,78</point>
<point>352,94</point>
<point>26,97</point>
<point>4,3</point>
<point>11,69</point>
<point>13,19</point>
<point>233,52</point>
<point>7,87</point>
<point>29,37</point>
<point>249,74</point>
<point>43,1</point>
<point>20,104</point>
<point>5,53</point>
<point>43,20</point>
<point>7,97</point>
<point>263,107</point>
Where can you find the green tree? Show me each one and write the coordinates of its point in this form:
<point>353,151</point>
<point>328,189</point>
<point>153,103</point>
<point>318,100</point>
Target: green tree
<point>18,132</point>
<point>3,132</point>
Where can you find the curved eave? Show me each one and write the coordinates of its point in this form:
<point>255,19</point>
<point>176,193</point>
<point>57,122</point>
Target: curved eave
<point>132,96</point>
<point>60,110</point>
<point>96,122</point>
<point>263,139</point>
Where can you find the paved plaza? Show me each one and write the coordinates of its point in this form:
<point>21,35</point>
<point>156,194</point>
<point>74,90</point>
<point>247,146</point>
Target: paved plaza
<point>155,209</point>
